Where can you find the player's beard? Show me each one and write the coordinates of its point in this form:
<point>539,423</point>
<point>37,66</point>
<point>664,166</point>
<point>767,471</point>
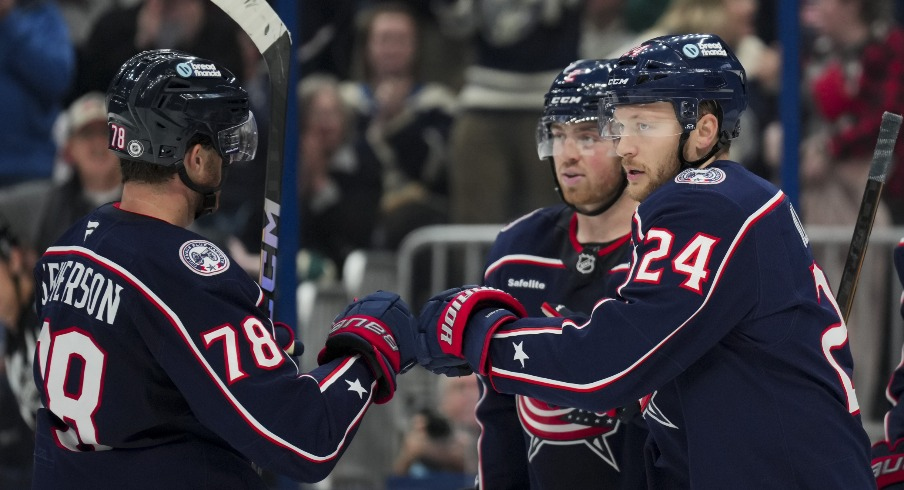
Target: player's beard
<point>656,174</point>
<point>588,197</point>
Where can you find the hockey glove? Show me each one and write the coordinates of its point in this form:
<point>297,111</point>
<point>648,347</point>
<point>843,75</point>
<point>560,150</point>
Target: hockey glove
<point>286,340</point>
<point>380,327</point>
<point>444,346</point>
<point>888,464</point>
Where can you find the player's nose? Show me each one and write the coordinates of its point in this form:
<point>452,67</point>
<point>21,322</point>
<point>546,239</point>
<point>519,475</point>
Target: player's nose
<point>570,150</point>
<point>625,146</point>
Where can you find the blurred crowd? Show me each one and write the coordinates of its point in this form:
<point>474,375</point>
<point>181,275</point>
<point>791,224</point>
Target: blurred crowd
<point>411,113</point>
<point>414,113</point>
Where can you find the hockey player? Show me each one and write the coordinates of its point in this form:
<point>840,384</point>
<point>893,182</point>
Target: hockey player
<point>888,454</point>
<point>725,328</point>
<point>157,366</point>
<point>564,256</point>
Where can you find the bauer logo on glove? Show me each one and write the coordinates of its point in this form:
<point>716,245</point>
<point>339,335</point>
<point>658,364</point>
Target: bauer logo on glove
<point>445,318</point>
<point>368,323</point>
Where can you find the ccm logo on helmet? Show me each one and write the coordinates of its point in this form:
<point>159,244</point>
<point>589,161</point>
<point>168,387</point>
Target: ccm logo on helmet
<point>565,100</point>
<point>618,81</point>
<point>367,324</point>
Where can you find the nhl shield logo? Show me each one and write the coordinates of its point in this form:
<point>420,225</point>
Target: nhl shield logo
<point>586,263</point>
<point>203,257</point>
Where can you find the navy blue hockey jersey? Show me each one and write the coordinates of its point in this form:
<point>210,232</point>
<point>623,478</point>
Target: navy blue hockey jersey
<point>158,368</point>
<point>894,419</point>
<point>728,331</point>
<point>526,442</point>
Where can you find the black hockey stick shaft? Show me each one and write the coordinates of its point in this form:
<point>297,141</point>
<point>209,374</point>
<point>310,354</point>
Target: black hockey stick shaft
<point>272,39</point>
<point>878,171</point>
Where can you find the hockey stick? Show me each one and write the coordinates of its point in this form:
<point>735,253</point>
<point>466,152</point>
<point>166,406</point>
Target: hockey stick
<point>878,170</point>
<point>272,39</point>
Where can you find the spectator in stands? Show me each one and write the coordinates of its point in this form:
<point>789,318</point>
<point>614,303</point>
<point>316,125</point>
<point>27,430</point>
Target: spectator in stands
<point>18,331</point>
<point>443,440</point>
<point>195,26</point>
<point>603,29</point>
<point>405,121</point>
<point>41,211</point>
<point>325,37</point>
<point>519,47</point>
<point>37,61</point>
<point>339,178</point>
<point>80,15</point>
<point>853,74</point>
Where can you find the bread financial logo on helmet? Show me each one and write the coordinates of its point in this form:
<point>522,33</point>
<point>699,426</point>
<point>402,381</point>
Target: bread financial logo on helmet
<point>704,49</point>
<point>201,70</point>
<point>203,257</point>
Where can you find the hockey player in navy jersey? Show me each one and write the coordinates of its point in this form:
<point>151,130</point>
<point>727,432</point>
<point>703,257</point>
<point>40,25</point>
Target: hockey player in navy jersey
<point>726,328</point>
<point>564,256</point>
<point>888,454</point>
<point>157,364</point>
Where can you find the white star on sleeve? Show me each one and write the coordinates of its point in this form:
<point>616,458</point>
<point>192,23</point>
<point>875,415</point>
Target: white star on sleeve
<point>356,387</point>
<point>519,352</point>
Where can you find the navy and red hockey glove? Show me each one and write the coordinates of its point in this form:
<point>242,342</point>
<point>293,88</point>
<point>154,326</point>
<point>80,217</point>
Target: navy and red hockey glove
<point>456,325</point>
<point>888,464</point>
<point>380,327</point>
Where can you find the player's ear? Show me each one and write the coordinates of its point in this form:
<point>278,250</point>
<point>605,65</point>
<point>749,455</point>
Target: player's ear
<point>706,134</point>
<point>194,157</point>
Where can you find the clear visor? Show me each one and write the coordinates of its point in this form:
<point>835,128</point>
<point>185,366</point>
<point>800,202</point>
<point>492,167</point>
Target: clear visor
<point>639,116</point>
<point>239,143</point>
<point>556,137</point>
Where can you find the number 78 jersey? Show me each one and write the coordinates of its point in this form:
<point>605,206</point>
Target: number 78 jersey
<point>158,367</point>
<point>727,331</point>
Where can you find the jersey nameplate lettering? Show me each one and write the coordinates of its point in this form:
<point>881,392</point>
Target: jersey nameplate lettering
<point>81,287</point>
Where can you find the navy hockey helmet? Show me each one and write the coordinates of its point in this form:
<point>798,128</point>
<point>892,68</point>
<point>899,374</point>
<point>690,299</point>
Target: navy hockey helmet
<point>684,70</point>
<point>160,99</point>
<point>574,97</point>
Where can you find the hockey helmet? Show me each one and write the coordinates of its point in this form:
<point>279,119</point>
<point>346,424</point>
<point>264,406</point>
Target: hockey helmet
<point>160,99</point>
<point>684,70</point>
<point>573,97</point>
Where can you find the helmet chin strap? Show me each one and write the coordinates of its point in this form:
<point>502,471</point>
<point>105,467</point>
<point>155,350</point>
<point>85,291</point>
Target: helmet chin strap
<point>696,163</point>
<point>209,199</point>
<point>596,211</point>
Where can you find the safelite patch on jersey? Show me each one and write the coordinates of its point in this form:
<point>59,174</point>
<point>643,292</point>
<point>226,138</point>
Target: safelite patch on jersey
<point>704,176</point>
<point>203,257</point>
